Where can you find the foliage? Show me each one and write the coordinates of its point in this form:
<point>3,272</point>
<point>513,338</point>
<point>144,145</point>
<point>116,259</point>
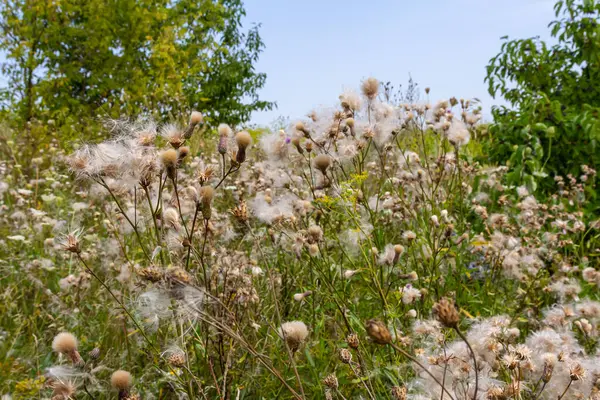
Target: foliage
<point>319,265</point>
<point>73,61</point>
<point>554,125</point>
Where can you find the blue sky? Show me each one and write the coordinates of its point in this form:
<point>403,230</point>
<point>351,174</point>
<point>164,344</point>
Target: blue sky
<point>315,49</point>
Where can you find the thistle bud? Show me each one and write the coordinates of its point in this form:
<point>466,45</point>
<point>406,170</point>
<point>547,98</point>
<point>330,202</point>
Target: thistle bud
<point>195,119</point>
<point>94,353</point>
<point>206,195</point>
<point>224,133</point>
<point>378,332</point>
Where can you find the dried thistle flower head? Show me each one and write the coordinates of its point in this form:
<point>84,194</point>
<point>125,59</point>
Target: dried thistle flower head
<point>370,88</point>
<point>331,381</point>
<point>243,140</point>
<point>121,380</point>
<point>353,341</point>
<point>322,162</point>
<point>345,356</point>
<point>169,160</point>
<point>399,392</point>
<point>66,343</point>
<point>70,242</point>
<point>173,135</point>
<point>576,372</point>
<point>446,312</point>
<point>62,390</point>
<point>378,332</point>
<point>300,127</point>
<point>294,333</point>
<point>171,218</point>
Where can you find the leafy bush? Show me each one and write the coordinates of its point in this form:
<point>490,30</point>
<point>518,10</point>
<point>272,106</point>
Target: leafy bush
<point>553,128</point>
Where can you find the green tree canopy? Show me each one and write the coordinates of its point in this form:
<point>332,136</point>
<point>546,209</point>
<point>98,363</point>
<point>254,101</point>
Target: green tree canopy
<point>553,124</point>
<point>72,60</point>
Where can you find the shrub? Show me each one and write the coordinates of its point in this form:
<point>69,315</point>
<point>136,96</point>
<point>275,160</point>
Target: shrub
<point>553,128</point>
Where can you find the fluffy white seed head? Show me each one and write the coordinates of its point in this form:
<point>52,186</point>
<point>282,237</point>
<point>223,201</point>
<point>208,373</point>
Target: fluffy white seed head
<point>64,343</point>
<point>121,380</point>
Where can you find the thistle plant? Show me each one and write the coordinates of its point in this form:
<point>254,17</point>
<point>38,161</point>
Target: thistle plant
<point>358,253</point>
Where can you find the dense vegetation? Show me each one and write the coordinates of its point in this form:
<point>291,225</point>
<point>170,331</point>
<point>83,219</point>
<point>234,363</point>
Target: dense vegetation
<point>390,247</point>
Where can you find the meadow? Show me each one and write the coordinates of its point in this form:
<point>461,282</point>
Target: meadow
<point>365,251</point>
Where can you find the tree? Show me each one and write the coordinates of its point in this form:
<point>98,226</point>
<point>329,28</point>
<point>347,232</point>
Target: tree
<point>553,126</point>
<point>72,60</point>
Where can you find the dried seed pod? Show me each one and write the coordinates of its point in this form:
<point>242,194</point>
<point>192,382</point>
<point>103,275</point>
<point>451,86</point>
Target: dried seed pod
<point>378,332</point>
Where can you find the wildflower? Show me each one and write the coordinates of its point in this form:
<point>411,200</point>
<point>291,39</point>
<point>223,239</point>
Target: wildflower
<point>224,133</point>
<point>412,313</point>
<point>171,218</point>
<point>302,296</point>
<point>322,162</point>
<point>173,135</point>
<point>370,88</point>
<point>409,235</point>
<point>345,356</point>
<point>66,343</point>
<point>206,195</point>
<point>294,333</point>
<point>182,153</point>
<point>122,381</point>
<point>458,134</point>
<point>94,353</point>
<point>62,390</point>
<point>175,357</point>
<point>296,143</point>
<point>410,294</point>
<point>195,119</point>
<point>350,100</point>
<point>399,392</point>
<point>301,128</point>
<point>349,273</point>
<point>243,140</point>
<point>169,161</point>
<point>353,341</point>
<point>331,381</point>
<point>446,313</point>
<point>70,242</point>
<point>576,372</point>
<point>378,332</point>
